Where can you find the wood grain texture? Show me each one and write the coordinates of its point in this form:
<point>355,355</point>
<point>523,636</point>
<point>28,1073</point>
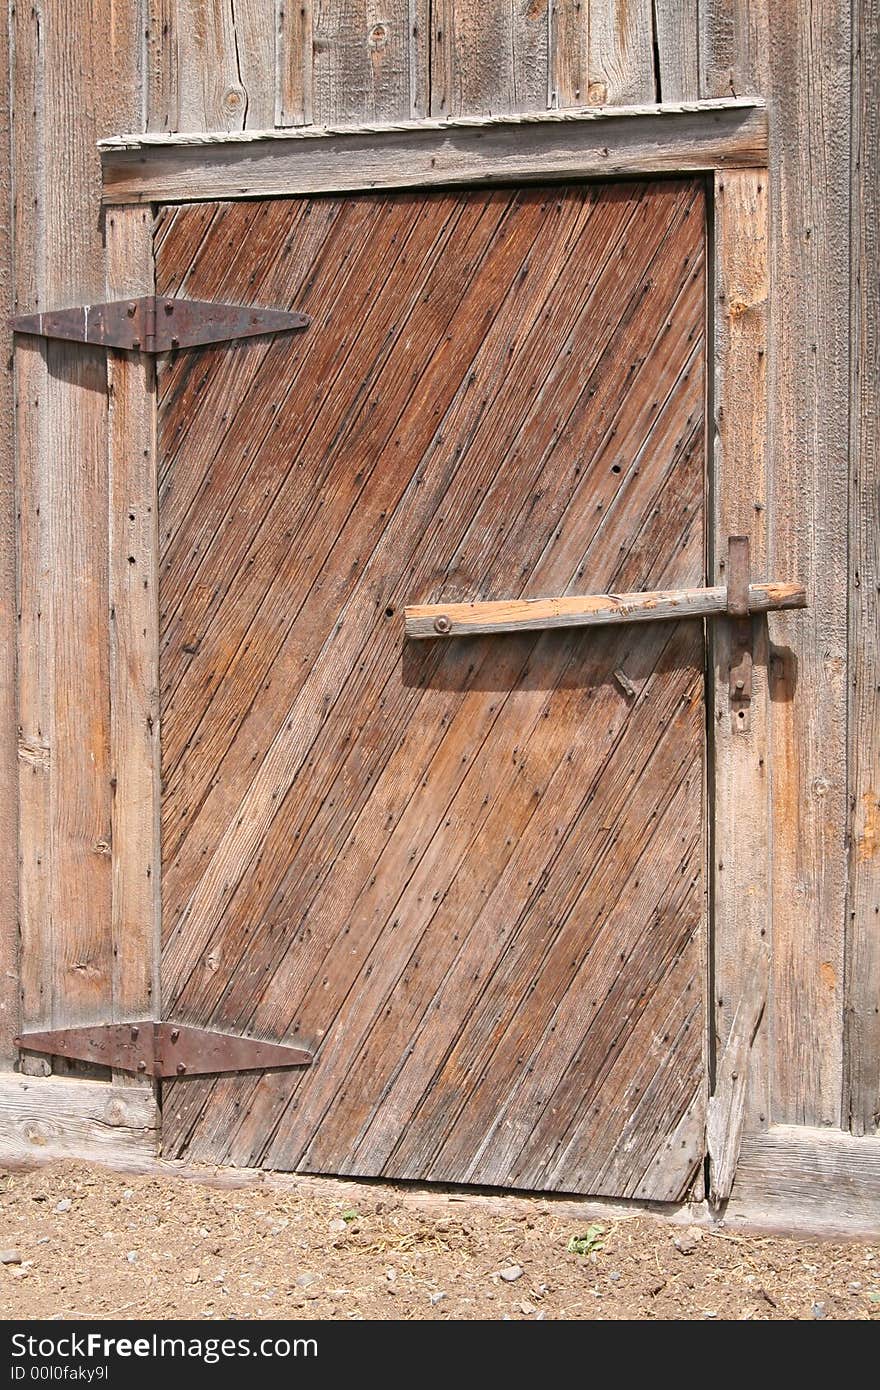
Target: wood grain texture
<point>807,531</point>
<point>44,1120</point>
<point>61,397</point>
<point>733,41</point>
<point>487,59</point>
<point>9,1006</point>
<point>134,636</point>
<point>862,1057</point>
<point>591,610</point>
<point>294,69</point>
<point>161,78</point>
<point>621,55</point>
<point>569,53</point>
<point>415,859</point>
<point>225,64</point>
<point>741,768</point>
<point>799,1177</point>
<point>677,38</point>
<point>582,144</point>
<point>369,60</point>
<point>734,1073</point>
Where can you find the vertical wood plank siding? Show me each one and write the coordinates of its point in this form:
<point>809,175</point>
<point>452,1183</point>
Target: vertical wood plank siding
<point>61,107</point>
<point>8,750</point>
<point>809,435</point>
<point>862,1097</point>
<point>740,790</point>
<point>134,612</point>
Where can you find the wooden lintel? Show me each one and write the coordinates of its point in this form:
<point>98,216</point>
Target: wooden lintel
<point>591,610</point>
<point>596,142</point>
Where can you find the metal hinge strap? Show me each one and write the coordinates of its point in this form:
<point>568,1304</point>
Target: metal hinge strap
<point>157,323</point>
<point>164,1049</point>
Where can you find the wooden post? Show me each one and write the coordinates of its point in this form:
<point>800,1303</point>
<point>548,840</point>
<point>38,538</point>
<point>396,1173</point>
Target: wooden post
<point>740,776</point>
<point>134,638</point>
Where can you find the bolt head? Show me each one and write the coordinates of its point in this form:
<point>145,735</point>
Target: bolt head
<point>442,624</point>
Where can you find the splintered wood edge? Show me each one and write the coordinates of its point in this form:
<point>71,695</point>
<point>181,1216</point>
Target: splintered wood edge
<point>687,137</point>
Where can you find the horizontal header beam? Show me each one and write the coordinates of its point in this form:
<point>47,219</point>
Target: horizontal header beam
<point>598,142</point>
<point>591,610</point>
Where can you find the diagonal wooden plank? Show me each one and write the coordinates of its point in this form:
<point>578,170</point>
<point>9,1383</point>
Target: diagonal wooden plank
<point>435,824</point>
<point>663,548</point>
<point>277,770</point>
<point>285,568</point>
<point>440,1097</point>
<point>471,394</point>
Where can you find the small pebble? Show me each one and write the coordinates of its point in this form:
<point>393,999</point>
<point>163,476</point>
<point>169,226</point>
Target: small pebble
<point>132,1257</point>
<point>192,1276</point>
<point>305,1281</point>
<point>819,1310</point>
<point>687,1242</point>
<point>10,1257</point>
<point>437,1297</point>
<point>510,1274</point>
<point>64,1205</point>
<point>337,1225</point>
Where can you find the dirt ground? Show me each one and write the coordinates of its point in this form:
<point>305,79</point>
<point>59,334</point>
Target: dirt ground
<point>83,1242</point>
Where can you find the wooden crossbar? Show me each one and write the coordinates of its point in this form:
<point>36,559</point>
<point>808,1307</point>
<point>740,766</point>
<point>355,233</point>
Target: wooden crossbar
<point>589,610</point>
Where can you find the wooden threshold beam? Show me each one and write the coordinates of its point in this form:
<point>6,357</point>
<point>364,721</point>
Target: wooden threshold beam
<point>590,610</point>
<point>44,1119</point>
<point>824,1181</point>
<point>595,142</point>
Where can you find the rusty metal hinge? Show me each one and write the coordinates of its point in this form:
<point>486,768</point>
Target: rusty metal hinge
<point>157,323</point>
<point>164,1049</point>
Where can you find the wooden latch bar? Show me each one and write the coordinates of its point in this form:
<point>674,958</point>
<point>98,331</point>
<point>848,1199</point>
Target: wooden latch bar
<point>164,1049</point>
<point>157,323</point>
<point>592,610</point>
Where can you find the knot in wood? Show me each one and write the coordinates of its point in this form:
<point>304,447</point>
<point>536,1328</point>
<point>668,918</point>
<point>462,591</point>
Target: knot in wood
<point>233,98</point>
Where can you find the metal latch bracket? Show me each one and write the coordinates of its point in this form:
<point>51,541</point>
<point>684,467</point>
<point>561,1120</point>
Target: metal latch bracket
<point>742,636</point>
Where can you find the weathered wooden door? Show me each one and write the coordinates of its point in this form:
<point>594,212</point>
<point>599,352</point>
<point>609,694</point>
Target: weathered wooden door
<point>468,873</point>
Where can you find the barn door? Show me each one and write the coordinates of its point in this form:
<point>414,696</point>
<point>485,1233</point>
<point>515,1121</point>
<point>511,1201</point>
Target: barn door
<point>468,873</point>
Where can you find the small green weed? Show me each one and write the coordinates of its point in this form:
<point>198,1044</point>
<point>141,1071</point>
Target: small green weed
<point>589,1243</point>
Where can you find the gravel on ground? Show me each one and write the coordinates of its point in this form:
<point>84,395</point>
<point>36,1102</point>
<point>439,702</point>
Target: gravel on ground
<point>82,1242</point>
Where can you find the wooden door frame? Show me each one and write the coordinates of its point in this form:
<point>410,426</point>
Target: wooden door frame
<point>723,141</point>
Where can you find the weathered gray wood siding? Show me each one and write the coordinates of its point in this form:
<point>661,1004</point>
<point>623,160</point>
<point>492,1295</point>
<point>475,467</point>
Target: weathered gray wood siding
<point>82,70</point>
